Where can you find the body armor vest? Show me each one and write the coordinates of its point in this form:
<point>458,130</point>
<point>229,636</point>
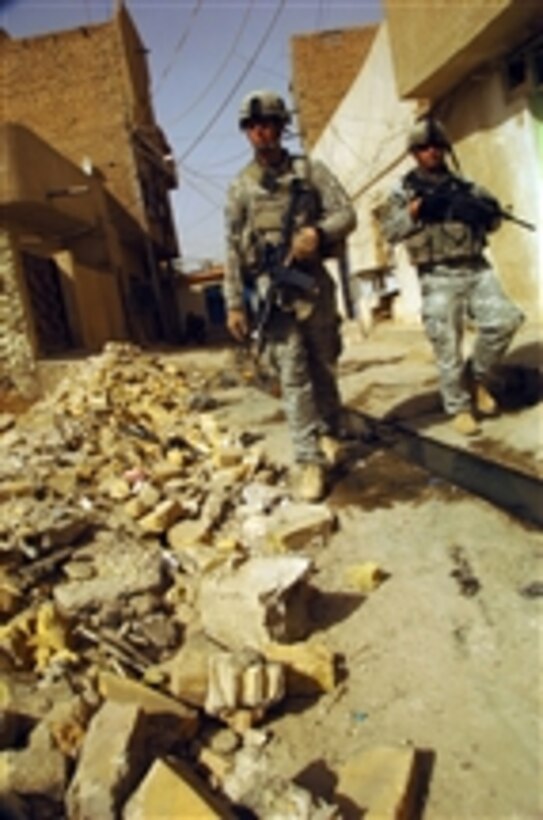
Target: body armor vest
<point>444,241</point>
<point>266,201</point>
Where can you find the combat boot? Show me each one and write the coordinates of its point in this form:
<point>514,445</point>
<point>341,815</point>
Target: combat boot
<point>484,401</point>
<point>312,482</point>
<point>465,424</point>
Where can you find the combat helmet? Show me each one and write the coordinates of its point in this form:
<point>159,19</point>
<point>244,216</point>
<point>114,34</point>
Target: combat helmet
<point>427,131</point>
<point>263,104</point>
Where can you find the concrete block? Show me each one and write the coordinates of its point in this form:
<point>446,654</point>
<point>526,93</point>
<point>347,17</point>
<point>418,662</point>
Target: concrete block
<point>257,602</point>
<point>40,768</point>
<point>127,691</point>
<point>112,761</point>
<point>164,516</point>
<point>310,667</point>
<point>168,792</point>
<point>381,781</point>
<point>294,526</point>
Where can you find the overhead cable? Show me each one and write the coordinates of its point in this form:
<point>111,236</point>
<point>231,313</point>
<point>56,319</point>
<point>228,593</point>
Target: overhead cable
<point>219,111</point>
<point>181,42</point>
<point>219,72</point>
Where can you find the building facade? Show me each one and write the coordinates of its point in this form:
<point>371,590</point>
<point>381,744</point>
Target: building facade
<point>86,175</point>
<point>479,69</point>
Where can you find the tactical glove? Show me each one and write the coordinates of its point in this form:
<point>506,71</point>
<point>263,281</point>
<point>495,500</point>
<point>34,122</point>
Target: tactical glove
<point>434,206</point>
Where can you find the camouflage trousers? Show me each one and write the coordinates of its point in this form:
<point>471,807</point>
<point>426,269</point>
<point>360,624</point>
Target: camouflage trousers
<point>450,298</point>
<point>305,355</point>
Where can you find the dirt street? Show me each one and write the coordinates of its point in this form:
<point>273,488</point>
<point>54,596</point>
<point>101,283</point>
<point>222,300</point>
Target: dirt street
<point>444,655</point>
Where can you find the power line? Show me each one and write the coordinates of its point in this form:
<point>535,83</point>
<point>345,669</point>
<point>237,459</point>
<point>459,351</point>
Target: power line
<point>244,73</point>
<point>221,67</point>
<point>181,42</point>
<point>210,179</point>
<point>202,192</point>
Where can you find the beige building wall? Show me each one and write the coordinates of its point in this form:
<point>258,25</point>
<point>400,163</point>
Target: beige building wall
<point>324,64</point>
<point>93,301</point>
<point>495,138</point>
<point>437,44</point>
<point>498,137</point>
<point>364,145</point>
<point>71,89</point>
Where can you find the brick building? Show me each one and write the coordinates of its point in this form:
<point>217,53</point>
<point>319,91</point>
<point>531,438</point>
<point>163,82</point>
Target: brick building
<point>80,101</point>
<point>324,64</point>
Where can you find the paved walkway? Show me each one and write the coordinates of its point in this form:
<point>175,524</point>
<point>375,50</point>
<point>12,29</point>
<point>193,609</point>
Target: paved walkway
<point>390,373</point>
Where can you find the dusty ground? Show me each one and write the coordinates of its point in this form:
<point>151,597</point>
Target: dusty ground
<point>444,655</point>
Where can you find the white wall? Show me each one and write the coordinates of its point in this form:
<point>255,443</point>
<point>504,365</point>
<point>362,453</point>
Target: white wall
<point>364,145</point>
<point>496,140</point>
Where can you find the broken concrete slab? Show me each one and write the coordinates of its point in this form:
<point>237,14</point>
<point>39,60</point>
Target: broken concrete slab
<point>310,666</point>
<point>381,781</point>
<point>262,599</point>
<point>150,701</point>
<point>295,526</point>
<point>127,569</point>
<point>243,681</point>
<point>112,761</point>
<point>38,769</point>
<point>168,791</point>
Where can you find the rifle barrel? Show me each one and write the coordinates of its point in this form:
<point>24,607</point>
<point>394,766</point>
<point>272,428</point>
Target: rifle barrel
<point>522,222</point>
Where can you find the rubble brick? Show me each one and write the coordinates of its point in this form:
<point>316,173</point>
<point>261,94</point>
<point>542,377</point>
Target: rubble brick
<point>130,569</point>
<point>381,781</point>
<point>186,534</point>
<point>296,525</point>
<point>310,666</point>
<point>39,768</point>
<point>165,514</point>
<point>260,601</point>
<point>168,792</point>
<point>187,670</point>
<point>112,761</point>
<point>150,701</point>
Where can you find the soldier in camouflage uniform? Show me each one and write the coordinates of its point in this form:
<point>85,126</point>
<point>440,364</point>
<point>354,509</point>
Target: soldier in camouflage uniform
<point>444,221</point>
<point>302,335</point>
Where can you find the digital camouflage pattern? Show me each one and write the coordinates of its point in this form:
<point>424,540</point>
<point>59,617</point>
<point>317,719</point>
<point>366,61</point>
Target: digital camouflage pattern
<point>305,351</point>
<point>449,295</point>
<point>457,282</point>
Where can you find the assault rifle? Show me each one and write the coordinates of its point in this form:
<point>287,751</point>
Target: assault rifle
<point>455,199</point>
<point>286,282</point>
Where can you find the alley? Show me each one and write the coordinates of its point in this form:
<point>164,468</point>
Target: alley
<point>134,492</point>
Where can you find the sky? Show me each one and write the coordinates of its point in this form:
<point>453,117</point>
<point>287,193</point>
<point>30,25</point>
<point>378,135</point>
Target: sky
<point>204,56</point>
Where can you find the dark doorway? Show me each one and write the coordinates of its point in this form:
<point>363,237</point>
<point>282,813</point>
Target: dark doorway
<point>42,277</point>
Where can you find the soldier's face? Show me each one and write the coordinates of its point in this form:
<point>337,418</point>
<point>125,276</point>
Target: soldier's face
<point>264,135</point>
<point>429,157</point>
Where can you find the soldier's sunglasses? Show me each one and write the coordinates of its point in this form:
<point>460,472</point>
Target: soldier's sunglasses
<point>254,121</point>
<point>423,146</point>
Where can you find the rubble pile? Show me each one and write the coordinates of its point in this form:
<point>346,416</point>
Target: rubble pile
<point>154,590</point>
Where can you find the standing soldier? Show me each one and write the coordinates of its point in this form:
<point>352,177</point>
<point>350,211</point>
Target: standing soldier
<point>444,221</point>
<point>283,215</point>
